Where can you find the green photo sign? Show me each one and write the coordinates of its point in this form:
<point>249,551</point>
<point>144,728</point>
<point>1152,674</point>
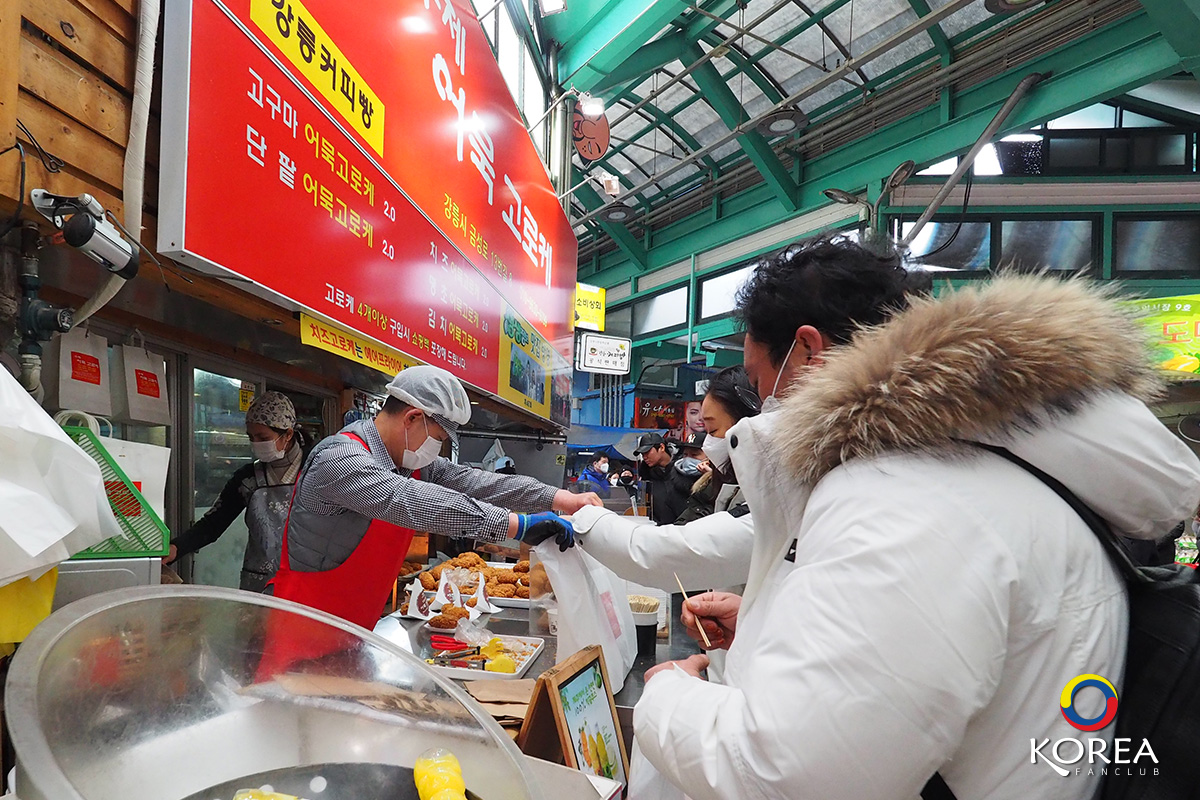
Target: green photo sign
<point>1174,324</point>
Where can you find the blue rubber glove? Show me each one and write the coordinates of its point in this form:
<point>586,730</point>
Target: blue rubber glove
<point>533,529</point>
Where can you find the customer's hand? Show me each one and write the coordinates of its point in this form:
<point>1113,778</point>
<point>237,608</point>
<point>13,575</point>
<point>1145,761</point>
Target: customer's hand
<point>172,554</point>
<point>568,503</point>
<point>717,612</point>
<point>692,665</point>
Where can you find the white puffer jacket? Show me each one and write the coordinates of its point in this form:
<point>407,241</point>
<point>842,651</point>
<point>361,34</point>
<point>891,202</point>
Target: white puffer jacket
<point>915,605</point>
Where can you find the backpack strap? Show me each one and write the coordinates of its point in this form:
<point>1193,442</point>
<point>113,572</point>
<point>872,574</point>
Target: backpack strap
<point>936,789</point>
<point>1116,549</point>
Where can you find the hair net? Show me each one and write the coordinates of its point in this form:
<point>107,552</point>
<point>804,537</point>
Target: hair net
<point>272,409</point>
<point>436,392</point>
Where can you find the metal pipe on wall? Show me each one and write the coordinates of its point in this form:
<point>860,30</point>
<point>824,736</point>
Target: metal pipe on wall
<point>964,164</point>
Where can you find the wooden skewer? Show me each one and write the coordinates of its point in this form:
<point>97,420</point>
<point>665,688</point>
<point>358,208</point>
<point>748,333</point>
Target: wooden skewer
<point>699,624</point>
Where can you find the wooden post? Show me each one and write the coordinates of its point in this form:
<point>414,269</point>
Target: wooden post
<point>10,54</point>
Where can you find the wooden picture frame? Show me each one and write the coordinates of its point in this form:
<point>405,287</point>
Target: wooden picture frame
<point>572,718</point>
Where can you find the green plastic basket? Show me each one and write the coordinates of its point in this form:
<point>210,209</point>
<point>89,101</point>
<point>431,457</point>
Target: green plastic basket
<point>144,534</point>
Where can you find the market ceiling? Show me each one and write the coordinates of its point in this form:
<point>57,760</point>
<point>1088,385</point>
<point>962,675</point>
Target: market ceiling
<point>727,108</point>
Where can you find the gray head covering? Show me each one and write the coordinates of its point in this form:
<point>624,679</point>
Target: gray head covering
<point>272,409</point>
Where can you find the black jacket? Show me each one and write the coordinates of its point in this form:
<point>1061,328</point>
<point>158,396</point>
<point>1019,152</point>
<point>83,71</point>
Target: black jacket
<point>670,487</point>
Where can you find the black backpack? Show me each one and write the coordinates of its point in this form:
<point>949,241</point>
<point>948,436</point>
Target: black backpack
<point>1160,700</point>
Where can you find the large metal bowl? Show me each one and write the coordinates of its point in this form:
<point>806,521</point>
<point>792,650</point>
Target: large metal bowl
<point>167,691</point>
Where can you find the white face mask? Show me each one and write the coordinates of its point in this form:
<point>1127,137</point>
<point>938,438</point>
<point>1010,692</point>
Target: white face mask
<point>424,455</point>
<point>603,468</point>
<point>771,402</point>
<point>265,451</point>
<point>717,450</point>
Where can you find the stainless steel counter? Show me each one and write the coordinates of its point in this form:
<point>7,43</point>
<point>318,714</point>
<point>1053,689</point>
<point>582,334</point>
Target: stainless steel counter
<point>515,622</point>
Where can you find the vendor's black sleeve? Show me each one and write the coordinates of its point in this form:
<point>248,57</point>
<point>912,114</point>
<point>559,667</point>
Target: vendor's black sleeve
<point>230,503</point>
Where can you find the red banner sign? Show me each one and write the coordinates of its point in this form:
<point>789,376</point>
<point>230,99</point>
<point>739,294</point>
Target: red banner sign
<point>289,192</point>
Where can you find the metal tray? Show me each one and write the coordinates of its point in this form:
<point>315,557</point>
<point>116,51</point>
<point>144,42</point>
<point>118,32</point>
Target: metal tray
<point>341,782</point>
<point>463,674</point>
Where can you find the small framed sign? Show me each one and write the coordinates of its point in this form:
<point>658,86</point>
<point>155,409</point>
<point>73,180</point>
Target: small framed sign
<point>572,718</point>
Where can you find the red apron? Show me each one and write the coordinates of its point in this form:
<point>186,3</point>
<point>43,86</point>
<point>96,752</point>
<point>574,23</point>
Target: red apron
<point>357,589</point>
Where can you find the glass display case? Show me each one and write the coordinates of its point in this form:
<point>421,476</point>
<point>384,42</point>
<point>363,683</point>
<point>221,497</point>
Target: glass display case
<point>174,692</point>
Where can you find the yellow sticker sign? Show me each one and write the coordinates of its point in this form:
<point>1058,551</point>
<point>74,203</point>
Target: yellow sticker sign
<point>245,398</point>
<point>526,364</point>
<point>318,333</point>
<point>304,42</point>
<point>589,307</point>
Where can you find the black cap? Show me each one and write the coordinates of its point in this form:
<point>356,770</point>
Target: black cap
<point>646,442</point>
<point>695,440</point>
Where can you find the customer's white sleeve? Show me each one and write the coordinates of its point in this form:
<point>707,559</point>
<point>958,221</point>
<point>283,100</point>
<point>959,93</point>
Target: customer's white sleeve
<point>711,552</point>
<point>872,654</point>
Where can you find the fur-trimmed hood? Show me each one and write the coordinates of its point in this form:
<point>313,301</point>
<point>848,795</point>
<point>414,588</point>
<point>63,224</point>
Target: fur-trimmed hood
<point>978,364</point>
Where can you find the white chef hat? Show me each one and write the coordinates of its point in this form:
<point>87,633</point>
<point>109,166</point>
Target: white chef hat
<point>436,392</point>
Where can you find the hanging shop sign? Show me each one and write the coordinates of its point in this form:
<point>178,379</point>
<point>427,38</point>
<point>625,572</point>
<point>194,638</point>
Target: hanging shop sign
<point>366,163</point>
<point>1174,327</point>
<point>604,354</point>
<point>351,346</point>
<point>591,135</point>
<point>589,307</point>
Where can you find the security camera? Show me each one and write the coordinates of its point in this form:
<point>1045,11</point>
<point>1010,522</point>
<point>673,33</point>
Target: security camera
<point>84,226</point>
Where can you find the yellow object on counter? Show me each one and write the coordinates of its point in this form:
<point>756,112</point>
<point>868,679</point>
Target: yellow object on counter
<point>501,663</point>
<point>24,604</point>
<point>438,776</point>
<point>493,648</point>
<point>258,794</point>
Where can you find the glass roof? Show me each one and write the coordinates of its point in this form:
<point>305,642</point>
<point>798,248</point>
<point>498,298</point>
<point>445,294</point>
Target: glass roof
<point>765,53</point>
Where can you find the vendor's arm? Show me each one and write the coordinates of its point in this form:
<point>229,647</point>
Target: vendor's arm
<point>230,503</point>
<point>348,477</point>
<point>710,552</point>
<point>874,654</point>
<point>517,492</point>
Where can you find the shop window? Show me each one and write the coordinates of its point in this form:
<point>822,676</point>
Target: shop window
<point>1165,244</point>
<point>1097,116</point>
<point>1131,119</point>
<point>719,295</point>
<point>619,322</point>
<point>1073,153</point>
<point>666,310</point>
<point>1164,150</point>
<point>951,245</point>
<point>1058,244</point>
<point>509,54</point>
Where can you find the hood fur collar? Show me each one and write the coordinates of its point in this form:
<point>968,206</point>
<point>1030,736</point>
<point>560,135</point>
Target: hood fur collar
<point>974,363</point>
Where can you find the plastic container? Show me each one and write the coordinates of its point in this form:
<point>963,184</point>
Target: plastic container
<point>646,625</point>
<point>169,692</point>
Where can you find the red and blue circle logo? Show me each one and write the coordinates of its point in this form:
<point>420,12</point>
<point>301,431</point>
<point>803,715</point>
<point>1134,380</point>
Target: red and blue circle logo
<point>1067,701</point>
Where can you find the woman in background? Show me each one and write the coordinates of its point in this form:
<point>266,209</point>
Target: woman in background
<point>262,488</point>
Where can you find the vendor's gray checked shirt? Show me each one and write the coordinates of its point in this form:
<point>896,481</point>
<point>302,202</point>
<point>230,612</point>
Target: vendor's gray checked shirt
<point>344,486</point>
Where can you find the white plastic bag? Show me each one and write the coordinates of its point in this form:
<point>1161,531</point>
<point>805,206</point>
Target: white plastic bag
<point>75,372</point>
<point>139,386</point>
<point>592,608</point>
<point>146,467</point>
<point>646,782</point>
<point>52,500</point>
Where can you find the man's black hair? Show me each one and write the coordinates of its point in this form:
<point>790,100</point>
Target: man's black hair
<point>731,388</point>
<point>596,458</point>
<point>393,405</point>
<point>830,282</point>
